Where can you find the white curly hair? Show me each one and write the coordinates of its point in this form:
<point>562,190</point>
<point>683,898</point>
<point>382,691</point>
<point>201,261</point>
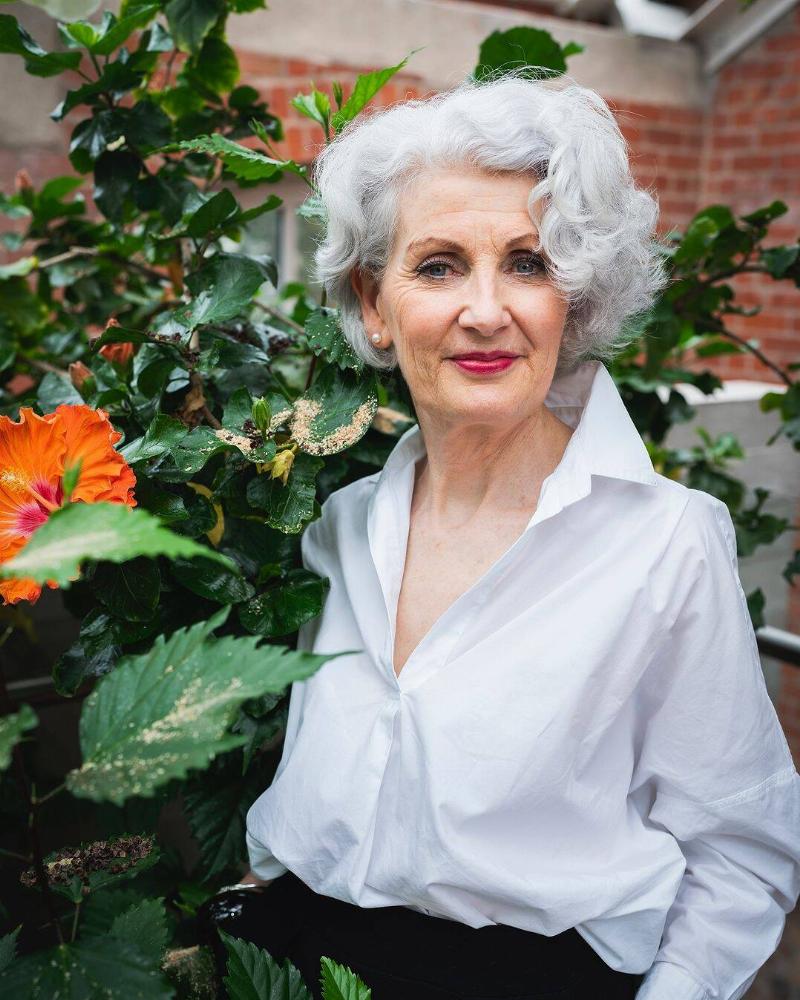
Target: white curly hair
<point>596,227</point>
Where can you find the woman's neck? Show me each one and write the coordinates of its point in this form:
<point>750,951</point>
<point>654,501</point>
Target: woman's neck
<point>471,471</point>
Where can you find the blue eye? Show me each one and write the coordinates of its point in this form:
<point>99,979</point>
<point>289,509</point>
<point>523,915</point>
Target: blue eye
<point>425,269</point>
<point>532,261</point>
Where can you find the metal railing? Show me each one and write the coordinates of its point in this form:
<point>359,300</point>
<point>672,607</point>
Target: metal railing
<point>779,643</point>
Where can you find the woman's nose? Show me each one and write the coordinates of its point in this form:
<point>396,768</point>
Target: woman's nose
<point>483,309</point>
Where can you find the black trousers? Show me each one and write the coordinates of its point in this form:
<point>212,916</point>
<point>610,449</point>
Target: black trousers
<point>402,954</point>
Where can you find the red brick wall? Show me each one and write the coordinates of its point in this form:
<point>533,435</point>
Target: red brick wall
<point>752,146</point>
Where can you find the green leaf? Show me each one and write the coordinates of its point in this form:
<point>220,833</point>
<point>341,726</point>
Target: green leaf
<point>247,164</point>
<point>224,286</point>
<point>15,39</point>
<point>191,20</point>
<point>115,32</point>
<point>253,974</point>
<point>779,260</point>
<point>162,436</point>
<point>144,925</point>
<point>94,653</point>
<point>216,68</point>
<point>215,804</point>
<point>115,174</point>
<point>324,334</point>
<point>8,945</point>
<point>130,591</point>
<point>532,49</point>
<point>98,967</point>
<point>111,531</point>
<point>763,216</point>
<point>116,79</point>
<point>335,412</point>
<point>315,106</point>
<point>219,208</point>
<point>287,508</point>
<point>283,608</point>
<point>100,909</point>
<point>339,982</point>
<point>238,409</point>
<point>11,729</point>
<point>366,87</point>
<point>19,268</point>
<point>122,964</point>
<point>164,712</point>
<point>208,580</point>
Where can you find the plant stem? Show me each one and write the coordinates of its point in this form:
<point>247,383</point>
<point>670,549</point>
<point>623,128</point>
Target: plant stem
<point>15,855</point>
<point>39,799</point>
<point>75,920</point>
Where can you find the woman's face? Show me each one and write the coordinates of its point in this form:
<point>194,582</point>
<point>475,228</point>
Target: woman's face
<point>462,276</point>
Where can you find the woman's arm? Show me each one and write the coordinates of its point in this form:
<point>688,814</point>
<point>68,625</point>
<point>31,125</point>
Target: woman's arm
<point>717,773</point>
<point>252,877</point>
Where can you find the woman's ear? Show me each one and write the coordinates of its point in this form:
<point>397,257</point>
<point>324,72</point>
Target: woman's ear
<point>367,290</point>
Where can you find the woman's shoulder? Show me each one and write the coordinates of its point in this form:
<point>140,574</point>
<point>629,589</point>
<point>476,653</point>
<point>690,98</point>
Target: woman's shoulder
<point>697,548</point>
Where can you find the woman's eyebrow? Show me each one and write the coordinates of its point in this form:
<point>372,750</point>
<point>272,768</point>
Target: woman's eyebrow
<point>456,247</point>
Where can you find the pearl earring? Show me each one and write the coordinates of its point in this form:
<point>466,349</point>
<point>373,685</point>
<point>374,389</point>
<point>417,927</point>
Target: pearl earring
<point>376,338</point>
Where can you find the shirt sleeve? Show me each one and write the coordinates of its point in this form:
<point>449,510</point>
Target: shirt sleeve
<point>262,862</point>
<point>717,772</point>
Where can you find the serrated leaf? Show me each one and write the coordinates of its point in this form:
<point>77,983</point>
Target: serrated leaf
<point>253,974</point>
<point>144,925</point>
<point>339,982</point>
<point>100,909</point>
<point>8,946</point>
<point>247,164</point>
<point>11,729</point>
<point>366,87</point>
<point>98,967</point>
<point>167,711</point>
<point>216,804</point>
<point>335,412</point>
<point>110,531</point>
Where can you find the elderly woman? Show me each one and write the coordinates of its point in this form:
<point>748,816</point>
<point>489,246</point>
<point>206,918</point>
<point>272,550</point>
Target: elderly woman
<point>548,765</point>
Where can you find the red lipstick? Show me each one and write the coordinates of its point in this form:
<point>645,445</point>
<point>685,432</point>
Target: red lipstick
<point>484,362</point>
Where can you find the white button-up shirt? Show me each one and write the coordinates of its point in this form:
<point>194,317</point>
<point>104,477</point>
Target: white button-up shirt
<point>583,738</point>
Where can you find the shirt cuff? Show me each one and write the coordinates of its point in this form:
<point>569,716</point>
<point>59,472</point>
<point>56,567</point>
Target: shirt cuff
<point>666,981</point>
<point>262,863</point>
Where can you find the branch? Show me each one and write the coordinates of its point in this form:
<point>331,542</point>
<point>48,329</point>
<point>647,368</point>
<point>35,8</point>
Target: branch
<point>717,327</point>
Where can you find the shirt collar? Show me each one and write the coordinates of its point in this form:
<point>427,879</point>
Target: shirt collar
<point>605,441</point>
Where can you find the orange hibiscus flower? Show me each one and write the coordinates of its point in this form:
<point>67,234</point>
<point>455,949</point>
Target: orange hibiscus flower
<point>34,452</point>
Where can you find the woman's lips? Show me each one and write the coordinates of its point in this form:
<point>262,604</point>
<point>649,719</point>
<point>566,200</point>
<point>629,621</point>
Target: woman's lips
<point>483,367</point>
